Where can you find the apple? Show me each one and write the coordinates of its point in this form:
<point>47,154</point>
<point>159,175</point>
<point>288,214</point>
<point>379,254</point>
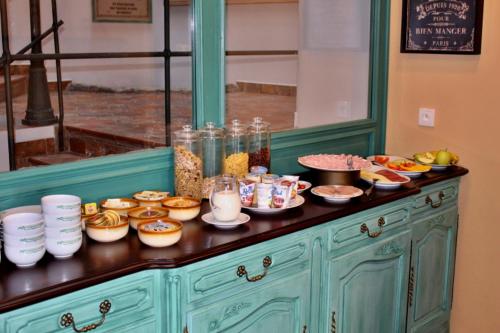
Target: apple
<point>443,157</point>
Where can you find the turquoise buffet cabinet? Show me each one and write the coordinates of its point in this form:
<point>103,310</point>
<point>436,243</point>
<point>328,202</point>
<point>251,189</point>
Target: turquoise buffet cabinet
<point>382,265</point>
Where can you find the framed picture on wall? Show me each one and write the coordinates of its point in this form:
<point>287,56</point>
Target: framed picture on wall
<point>129,11</point>
<point>442,26</point>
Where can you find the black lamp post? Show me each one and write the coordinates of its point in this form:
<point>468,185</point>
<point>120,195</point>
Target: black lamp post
<point>39,111</point>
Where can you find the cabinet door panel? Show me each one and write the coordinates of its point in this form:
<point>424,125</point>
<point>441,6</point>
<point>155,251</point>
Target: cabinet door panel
<point>276,307</point>
<point>368,287</point>
<point>432,265</point>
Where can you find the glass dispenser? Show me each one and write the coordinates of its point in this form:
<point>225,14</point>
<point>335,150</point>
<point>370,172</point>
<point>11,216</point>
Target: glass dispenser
<point>236,162</point>
<point>213,156</point>
<point>259,136</point>
<point>188,163</point>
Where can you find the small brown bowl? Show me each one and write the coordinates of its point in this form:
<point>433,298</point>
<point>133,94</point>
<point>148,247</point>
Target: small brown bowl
<point>119,205</point>
<point>146,198</point>
<point>141,214</point>
<point>160,232</point>
<point>182,208</point>
<point>107,233</point>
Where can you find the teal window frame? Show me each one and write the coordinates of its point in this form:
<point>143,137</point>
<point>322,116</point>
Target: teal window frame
<point>122,175</point>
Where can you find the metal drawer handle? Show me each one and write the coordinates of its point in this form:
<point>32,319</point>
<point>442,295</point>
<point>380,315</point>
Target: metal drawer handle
<point>333,326</point>
<point>67,319</point>
<point>243,271</point>
<point>428,200</point>
<point>364,228</point>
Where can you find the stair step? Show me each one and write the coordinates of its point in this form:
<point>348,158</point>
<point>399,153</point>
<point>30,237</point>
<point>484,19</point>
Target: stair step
<point>19,86</point>
<point>63,157</point>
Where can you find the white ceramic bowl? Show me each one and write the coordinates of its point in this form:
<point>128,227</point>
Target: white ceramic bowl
<point>182,208</point>
<point>61,204</point>
<point>107,234</point>
<point>22,224</point>
<point>160,232</point>
<point>63,247</point>
<point>64,232</point>
<point>24,257</point>
<point>61,220</point>
<point>23,241</point>
<point>146,213</point>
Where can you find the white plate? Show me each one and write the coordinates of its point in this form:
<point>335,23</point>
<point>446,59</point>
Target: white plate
<point>336,198</point>
<point>385,185</point>
<point>299,200</point>
<point>438,167</point>
<point>411,174</point>
<point>209,218</point>
<point>306,184</point>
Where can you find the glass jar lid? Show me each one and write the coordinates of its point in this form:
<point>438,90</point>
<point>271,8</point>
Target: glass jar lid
<point>236,128</point>
<point>211,132</point>
<point>187,134</point>
<point>258,125</point>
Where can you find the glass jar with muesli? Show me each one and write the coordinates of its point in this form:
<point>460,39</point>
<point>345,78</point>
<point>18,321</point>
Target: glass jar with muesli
<point>236,161</point>
<point>212,142</point>
<point>188,163</point>
<point>259,137</point>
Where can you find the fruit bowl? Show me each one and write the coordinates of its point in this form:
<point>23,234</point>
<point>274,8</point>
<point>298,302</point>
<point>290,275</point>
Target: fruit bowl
<point>438,160</point>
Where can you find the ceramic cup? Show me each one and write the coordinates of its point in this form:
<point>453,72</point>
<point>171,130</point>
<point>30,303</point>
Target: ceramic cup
<point>23,241</point>
<point>63,231</point>
<point>59,220</point>
<point>23,224</point>
<point>63,247</point>
<point>24,257</point>
<point>61,204</point>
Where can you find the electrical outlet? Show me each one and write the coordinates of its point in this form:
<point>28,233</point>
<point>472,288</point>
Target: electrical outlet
<point>426,117</point>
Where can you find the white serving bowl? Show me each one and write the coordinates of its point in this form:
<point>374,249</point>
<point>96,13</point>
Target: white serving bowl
<point>23,224</point>
<point>23,241</point>
<point>60,220</point>
<point>107,234</point>
<point>63,247</point>
<point>61,204</point>
<point>64,232</point>
<point>24,257</point>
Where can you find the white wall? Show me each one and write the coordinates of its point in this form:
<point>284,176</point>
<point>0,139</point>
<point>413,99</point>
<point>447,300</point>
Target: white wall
<point>273,26</point>
<point>262,27</point>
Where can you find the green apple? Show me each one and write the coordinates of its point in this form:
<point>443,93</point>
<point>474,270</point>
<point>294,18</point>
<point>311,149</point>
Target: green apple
<point>443,157</point>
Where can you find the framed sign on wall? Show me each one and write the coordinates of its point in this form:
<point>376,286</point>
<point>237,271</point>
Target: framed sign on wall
<point>130,11</point>
<point>442,26</point>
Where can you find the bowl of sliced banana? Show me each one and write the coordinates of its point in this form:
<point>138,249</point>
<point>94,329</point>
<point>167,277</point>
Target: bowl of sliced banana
<point>107,226</point>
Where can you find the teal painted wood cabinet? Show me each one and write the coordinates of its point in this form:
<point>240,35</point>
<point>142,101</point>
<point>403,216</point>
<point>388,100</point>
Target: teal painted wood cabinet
<point>386,269</point>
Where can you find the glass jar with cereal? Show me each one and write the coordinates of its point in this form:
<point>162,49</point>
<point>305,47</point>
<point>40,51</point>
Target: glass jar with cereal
<point>188,163</point>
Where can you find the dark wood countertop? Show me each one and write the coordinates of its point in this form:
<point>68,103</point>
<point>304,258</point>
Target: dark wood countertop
<point>99,262</point>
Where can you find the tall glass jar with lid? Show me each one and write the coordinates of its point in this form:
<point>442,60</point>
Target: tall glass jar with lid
<point>236,162</point>
<point>259,136</point>
<point>188,163</point>
<point>213,155</point>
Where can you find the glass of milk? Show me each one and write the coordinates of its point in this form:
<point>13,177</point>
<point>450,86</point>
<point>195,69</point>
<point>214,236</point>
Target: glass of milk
<point>225,199</point>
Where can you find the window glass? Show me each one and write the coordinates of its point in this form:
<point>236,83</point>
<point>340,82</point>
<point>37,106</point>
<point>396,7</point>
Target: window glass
<point>297,63</point>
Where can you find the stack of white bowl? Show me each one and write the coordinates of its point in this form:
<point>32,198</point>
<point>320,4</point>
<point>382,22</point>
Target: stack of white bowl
<point>24,238</point>
<point>63,228</point>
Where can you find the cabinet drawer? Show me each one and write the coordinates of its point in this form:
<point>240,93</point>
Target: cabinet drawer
<point>366,225</point>
<point>131,298</point>
<point>435,197</point>
<point>259,262</point>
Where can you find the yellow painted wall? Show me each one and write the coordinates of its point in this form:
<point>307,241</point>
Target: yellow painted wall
<point>465,91</point>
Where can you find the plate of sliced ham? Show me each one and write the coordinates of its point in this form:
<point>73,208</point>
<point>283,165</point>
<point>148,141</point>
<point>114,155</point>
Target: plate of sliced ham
<point>332,162</point>
<point>386,179</point>
<point>336,193</point>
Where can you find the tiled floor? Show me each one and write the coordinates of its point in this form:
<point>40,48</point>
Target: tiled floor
<point>140,115</point>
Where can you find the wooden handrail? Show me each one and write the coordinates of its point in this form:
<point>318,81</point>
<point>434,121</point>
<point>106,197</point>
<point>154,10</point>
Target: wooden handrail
<point>261,52</point>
